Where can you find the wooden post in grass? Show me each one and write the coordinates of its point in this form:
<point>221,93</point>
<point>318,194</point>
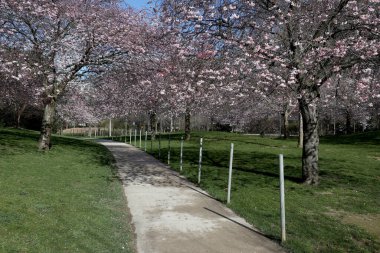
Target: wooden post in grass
<point>181,156</point>
<point>200,160</point>
<point>130,136</point>
<point>140,139</point>
<point>146,138</point>
<point>230,174</point>
<point>135,137</point>
<point>282,198</point>
<point>169,149</point>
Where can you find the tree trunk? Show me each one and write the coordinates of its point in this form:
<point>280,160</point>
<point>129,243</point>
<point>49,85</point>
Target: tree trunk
<point>153,124</point>
<point>310,142</point>
<point>187,124</point>
<point>171,123</point>
<point>348,122</point>
<point>47,125</point>
<point>110,128</point>
<point>285,118</point>
<point>300,131</point>
<point>19,114</point>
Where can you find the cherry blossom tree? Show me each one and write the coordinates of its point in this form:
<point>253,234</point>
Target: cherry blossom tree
<point>21,88</point>
<point>348,99</point>
<point>64,40</point>
<point>307,41</point>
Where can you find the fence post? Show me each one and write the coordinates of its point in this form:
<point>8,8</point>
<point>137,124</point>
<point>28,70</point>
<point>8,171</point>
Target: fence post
<point>130,136</point>
<point>140,138</point>
<point>282,198</point>
<point>200,160</point>
<point>169,149</point>
<point>181,155</point>
<point>146,138</point>
<point>230,174</point>
<point>135,137</point>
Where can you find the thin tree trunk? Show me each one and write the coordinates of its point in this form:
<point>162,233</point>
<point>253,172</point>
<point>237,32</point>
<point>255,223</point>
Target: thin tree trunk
<point>47,125</point>
<point>286,124</point>
<point>348,122</point>
<point>310,142</point>
<point>153,124</point>
<point>171,123</point>
<point>19,114</point>
<point>187,124</point>
<point>300,129</point>
<point>285,118</point>
<point>110,128</point>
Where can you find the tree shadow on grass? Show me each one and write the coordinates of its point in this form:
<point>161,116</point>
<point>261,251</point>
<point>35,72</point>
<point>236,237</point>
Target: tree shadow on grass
<point>368,138</point>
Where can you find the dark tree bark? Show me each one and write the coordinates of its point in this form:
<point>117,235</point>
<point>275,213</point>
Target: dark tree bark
<point>187,124</point>
<point>348,122</point>
<point>308,108</point>
<point>44,143</point>
<point>300,131</point>
<point>153,125</point>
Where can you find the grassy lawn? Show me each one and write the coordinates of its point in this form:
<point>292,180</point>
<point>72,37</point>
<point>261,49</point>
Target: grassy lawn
<point>66,200</point>
<point>340,215</point>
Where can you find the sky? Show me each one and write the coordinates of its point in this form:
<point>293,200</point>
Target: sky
<point>138,4</point>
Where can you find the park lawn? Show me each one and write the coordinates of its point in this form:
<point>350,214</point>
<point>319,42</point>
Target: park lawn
<point>342,214</point>
<point>65,200</point>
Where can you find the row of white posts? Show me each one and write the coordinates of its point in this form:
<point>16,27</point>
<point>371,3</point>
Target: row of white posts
<point>281,163</point>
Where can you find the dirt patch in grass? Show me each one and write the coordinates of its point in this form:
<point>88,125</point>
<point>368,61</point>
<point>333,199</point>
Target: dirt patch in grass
<point>368,222</point>
<point>376,158</point>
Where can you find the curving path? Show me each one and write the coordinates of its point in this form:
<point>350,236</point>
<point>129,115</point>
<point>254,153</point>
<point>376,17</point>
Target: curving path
<point>171,215</point>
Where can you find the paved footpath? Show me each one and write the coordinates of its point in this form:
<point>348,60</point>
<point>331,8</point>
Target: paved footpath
<point>171,215</point>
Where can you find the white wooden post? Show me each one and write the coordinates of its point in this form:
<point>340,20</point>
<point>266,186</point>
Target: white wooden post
<point>230,174</point>
<point>200,161</point>
<point>135,137</point>
<point>181,156</point>
<point>282,199</point>
<point>146,139</point>
<point>130,136</point>
<point>140,138</point>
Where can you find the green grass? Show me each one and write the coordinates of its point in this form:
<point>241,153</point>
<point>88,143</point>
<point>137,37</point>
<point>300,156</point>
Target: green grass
<point>65,200</point>
<point>350,186</point>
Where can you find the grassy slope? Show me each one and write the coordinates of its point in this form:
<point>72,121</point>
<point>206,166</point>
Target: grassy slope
<point>66,200</point>
<point>350,177</point>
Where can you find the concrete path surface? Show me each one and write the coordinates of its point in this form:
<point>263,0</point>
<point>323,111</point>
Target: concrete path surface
<point>171,215</point>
